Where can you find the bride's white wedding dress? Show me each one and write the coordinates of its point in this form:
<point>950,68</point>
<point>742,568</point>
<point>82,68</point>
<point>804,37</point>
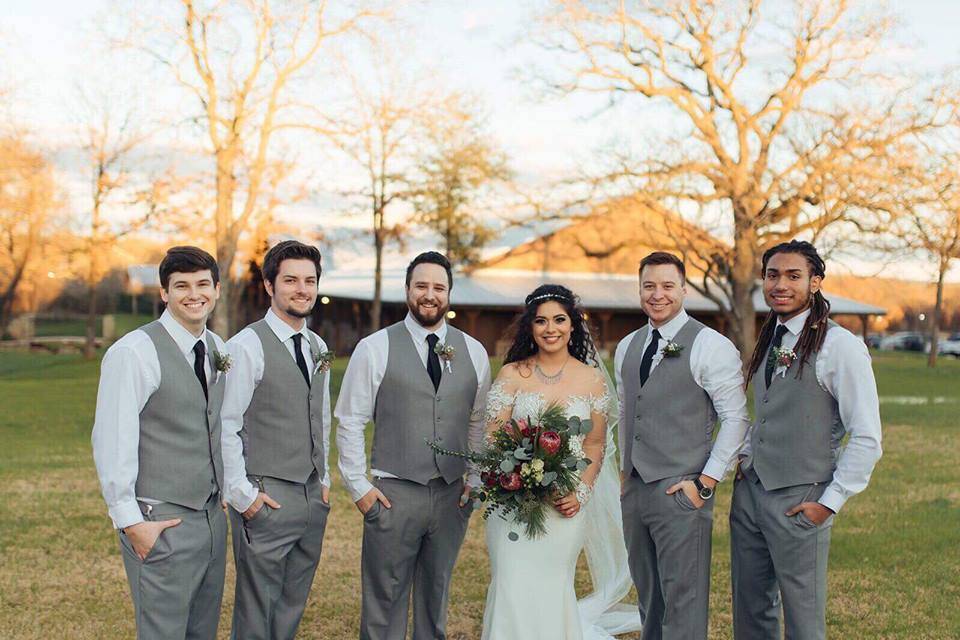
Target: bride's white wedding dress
<point>531,594</point>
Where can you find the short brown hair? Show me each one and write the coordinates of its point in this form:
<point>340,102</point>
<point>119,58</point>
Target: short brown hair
<point>288,250</point>
<point>662,257</point>
<point>187,259</point>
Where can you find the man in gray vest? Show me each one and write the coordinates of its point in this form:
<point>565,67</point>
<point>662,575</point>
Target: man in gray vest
<point>813,384</point>
<point>676,377</point>
<point>276,435</point>
<point>419,379</point>
<point>156,445</point>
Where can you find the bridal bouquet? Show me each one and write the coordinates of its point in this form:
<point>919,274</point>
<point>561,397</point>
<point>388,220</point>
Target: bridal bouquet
<point>527,464</point>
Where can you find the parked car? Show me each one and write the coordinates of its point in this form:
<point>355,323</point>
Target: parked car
<point>904,341</point>
<point>950,346</point>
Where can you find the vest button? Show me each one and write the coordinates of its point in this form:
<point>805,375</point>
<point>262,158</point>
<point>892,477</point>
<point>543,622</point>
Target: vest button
<point>763,420</point>
<point>209,412</point>
<point>637,437</point>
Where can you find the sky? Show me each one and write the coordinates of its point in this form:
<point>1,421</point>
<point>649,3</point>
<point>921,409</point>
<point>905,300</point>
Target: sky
<point>478,46</point>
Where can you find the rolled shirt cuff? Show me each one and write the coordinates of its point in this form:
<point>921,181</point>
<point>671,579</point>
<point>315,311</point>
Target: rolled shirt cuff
<point>358,488</point>
<point>126,514</point>
<point>715,469</point>
<point>242,495</point>
<point>833,498</point>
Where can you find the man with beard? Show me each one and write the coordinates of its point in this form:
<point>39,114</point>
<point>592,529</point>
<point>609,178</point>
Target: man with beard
<point>813,385</point>
<point>276,434</point>
<point>418,380</point>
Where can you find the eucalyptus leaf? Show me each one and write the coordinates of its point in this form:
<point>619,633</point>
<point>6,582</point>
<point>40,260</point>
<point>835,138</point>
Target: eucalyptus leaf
<point>548,478</point>
<point>570,463</point>
<point>586,427</point>
<point>521,454</point>
<point>582,465</point>
<point>506,466</point>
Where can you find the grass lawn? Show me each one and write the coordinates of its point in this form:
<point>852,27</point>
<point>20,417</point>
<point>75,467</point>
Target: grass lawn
<point>894,563</point>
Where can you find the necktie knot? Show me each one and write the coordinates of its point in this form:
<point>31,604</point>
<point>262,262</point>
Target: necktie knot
<point>199,349</point>
<point>432,340</point>
<point>656,335</point>
<point>298,356</point>
<point>778,335</point>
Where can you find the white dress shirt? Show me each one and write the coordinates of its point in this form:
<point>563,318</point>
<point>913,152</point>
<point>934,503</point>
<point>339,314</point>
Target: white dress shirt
<point>844,371</point>
<point>717,369</point>
<point>129,375</point>
<point>358,395</point>
<point>246,350</point>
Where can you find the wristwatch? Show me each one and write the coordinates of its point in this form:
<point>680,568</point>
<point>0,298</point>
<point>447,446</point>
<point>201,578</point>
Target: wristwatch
<point>705,492</point>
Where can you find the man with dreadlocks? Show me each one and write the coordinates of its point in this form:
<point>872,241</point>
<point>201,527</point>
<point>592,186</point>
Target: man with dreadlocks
<point>813,384</point>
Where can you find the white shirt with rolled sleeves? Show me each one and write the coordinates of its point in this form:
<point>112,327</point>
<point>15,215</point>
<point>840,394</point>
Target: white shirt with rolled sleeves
<point>246,372</point>
<point>717,369</point>
<point>844,370</point>
<point>129,375</point>
<point>358,395</point>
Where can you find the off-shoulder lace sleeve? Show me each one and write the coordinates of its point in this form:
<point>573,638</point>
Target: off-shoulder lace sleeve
<point>498,399</point>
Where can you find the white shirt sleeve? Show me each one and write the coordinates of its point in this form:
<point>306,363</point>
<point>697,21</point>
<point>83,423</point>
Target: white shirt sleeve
<point>128,377</point>
<point>477,430</point>
<point>246,373</point>
<point>358,393</point>
<point>716,366</point>
<point>844,370</point>
<point>618,357</point>
<point>326,422</point>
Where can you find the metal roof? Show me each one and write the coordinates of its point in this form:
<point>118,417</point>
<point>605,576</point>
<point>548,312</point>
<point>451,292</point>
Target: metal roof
<point>503,288</point>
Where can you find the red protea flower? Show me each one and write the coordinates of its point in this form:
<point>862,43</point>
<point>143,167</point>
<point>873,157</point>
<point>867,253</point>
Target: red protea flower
<point>511,481</point>
<point>550,442</point>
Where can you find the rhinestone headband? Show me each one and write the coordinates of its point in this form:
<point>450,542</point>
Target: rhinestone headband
<point>549,296</point>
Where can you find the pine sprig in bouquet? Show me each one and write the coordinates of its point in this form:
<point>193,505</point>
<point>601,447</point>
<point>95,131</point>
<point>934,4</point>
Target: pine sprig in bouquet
<point>527,464</point>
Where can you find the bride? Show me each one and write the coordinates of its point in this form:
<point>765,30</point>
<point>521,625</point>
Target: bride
<point>553,361</point>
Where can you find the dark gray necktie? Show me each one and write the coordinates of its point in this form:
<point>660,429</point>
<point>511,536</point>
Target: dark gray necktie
<point>647,360</point>
<point>298,354</point>
<point>433,360</point>
<point>777,342</point>
<point>199,351</point>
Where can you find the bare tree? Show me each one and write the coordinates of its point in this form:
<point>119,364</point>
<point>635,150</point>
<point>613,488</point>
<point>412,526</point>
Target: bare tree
<point>930,222</point>
<point>111,136</point>
<point>459,165</point>
<point>27,202</point>
<point>381,133</point>
<point>780,126</point>
<point>238,60</point>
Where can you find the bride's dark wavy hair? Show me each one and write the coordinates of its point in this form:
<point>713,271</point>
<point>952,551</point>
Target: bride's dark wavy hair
<point>523,346</point>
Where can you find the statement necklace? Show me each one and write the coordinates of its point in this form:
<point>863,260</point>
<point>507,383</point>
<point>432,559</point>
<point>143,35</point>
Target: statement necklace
<point>550,379</point>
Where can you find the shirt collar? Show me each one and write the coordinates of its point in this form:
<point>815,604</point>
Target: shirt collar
<point>419,332</point>
<point>795,324</point>
<point>282,330</point>
<point>669,330</point>
<point>184,339</point>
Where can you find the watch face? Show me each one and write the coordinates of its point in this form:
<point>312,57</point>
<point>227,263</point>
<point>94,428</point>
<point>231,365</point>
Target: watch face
<point>706,493</point>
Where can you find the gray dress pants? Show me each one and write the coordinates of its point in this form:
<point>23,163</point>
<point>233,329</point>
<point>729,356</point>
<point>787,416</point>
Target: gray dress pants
<point>276,553</point>
<point>777,562</point>
<point>412,545</point>
<point>178,587</point>
<point>668,546</point>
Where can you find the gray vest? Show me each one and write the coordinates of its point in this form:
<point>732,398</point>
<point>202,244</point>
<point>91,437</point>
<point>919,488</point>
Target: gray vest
<point>409,411</point>
<point>179,453</point>
<point>670,420</point>
<point>283,425</point>
<point>797,430</point>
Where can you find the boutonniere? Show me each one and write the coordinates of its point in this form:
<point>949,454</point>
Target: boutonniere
<point>323,361</point>
<point>222,361</point>
<point>446,353</point>
<point>671,350</point>
<point>782,359</point>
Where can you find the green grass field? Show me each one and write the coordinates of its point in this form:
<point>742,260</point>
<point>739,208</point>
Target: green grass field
<point>894,563</point>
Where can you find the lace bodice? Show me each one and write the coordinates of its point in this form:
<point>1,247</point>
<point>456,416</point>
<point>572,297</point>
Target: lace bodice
<point>531,403</point>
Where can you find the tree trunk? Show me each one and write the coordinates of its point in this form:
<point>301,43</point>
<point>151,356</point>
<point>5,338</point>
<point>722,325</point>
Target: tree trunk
<point>937,313</point>
<point>226,242</point>
<point>376,305</point>
<point>90,343</point>
<point>743,279</point>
